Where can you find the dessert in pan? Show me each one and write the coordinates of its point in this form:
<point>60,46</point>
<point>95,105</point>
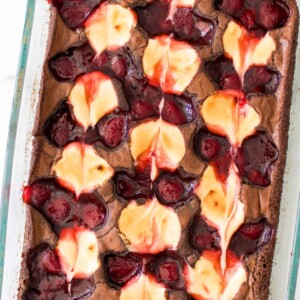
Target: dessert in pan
<point>159,150</point>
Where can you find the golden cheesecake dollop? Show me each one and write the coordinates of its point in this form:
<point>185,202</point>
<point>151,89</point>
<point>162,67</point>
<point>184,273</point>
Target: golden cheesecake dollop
<point>78,252</point>
<point>81,169</point>
<point>230,115</point>
<point>92,97</point>
<point>158,139</point>
<point>170,64</point>
<point>150,227</point>
<point>110,27</point>
<point>246,49</point>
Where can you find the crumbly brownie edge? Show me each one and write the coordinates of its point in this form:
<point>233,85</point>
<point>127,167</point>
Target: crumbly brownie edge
<point>263,260</point>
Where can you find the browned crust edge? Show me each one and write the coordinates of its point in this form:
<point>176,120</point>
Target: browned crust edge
<point>261,274</point>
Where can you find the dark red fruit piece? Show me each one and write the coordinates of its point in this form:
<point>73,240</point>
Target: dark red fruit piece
<point>113,129</point>
<point>230,7</point>
<point>210,146</point>
<point>47,281</point>
<point>230,81</point>
<point>75,12</point>
<point>142,109</point>
<point>61,128</point>
<point>167,268</point>
<point>170,190</point>
<point>54,202</point>
<point>158,11</point>
<point>144,99</point>
<point>250,237</point>
<point>120,268</point>
<point>51,262</point>
<point>202,236</point>
<point>185,25</point>
<point>261,79</point>
<point>54,288</point>
<point>178,110</point>
<point>222,165</point>
<point>76,61</point>
<point>222,71</point>
<point>189,26</point>
<point>92,211</point>
<point>36,194</point>
<point>248,19</point>
<point>119,66</point>
<point>255,159</point>
<point>58,209</point>
<point>272,14</point>
<point>256,15</point>
<point>135,186</point>
<point>43,260</point>
<point>82,59</point>
<point>174,188</point>
<point>252,231</point>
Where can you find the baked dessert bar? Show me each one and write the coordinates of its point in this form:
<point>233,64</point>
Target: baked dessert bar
<point>159,150</point>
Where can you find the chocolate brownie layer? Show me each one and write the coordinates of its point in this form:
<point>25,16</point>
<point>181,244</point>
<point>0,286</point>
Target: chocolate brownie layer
<point>259,202</point>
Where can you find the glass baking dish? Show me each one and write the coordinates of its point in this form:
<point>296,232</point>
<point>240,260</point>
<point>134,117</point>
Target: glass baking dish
<point>18,157</point>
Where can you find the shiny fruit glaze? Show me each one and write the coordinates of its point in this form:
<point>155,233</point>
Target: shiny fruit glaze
<point>178,110</point>
<point>167,268</point>
<point>75,12</point>
<point>256,80</point>
<point>222,71</point>
<point>61,128</point>
<point>250,237</point>
<point>215,149</point>
<point>255,159</point>
<point>184,25</point>
<point>261,79</point>
<point>80,60</point>
<point>202,236</point>
<point>135,185</point>
<point>174,188</point>
<point>121,268</point>
<point>62,209</point>
<point>111,130</point>
<point>47,281</point>
<point>256,15</point>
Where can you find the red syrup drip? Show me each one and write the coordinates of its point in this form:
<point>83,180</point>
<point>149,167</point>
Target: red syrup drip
<point>256,16</point>
<point>185,25</point>
<point>47,280</point>
<point>60,207</point>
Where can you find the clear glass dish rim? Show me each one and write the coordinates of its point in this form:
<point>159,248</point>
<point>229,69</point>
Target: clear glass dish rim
<point>10,149</point>
<point>13,125</point>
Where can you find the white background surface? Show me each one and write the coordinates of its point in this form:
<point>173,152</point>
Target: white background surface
<point>12,16</point>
